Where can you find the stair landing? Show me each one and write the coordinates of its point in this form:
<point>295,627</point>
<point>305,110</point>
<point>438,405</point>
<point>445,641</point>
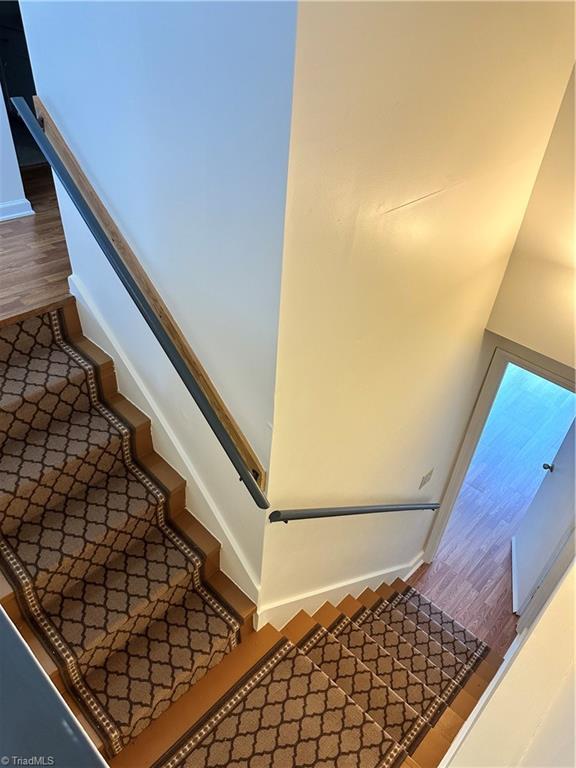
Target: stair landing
<point>34,263</point>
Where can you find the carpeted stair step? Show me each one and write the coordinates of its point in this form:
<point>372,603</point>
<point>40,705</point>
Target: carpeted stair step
<point>413,603</point>
<point>160,661</point>
<point>73,538</point>
<point>111,595</point>
<point>484,664</point>
<point>46,398</point>
<point>460,701</point>
<point>399,721</point>
<point>434,630</point>
<point>133,584</point>
<point>405,686</point>
<point>397,677</point>
<point>462,672</point>
<point>48,467</point>
<point>410,595</point>
<point>218,584</point>
<point>420,666</point>
<point>265,704</point>
<point>70,553</point>
<point>186,636</point>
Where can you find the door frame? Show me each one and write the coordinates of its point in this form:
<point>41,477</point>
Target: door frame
<point>504,352</point>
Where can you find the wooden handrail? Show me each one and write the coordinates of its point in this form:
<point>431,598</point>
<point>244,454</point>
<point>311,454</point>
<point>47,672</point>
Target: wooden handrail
<point>146,286</point>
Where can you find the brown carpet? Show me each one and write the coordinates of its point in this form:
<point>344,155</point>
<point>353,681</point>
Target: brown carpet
<point>287,714</point>
<point>402,723</point>
<point>114,593</point>
<point>341,699</point>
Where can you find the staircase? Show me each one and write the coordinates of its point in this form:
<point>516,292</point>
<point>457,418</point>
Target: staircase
<point>117,590</point>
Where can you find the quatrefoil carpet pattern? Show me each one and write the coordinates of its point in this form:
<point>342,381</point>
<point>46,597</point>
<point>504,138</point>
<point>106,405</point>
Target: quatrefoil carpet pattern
<point>340,698</point>
<point>288,714</point>
<point>112,590</point>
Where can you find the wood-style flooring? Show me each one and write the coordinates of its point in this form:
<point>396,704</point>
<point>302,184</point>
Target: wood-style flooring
<point>471,575</point>
<point>34,263</point>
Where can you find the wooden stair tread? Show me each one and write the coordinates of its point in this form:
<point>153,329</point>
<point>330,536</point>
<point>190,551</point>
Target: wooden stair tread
<point>298,627</point>
<point>44,298</point>
<point>327,614</point>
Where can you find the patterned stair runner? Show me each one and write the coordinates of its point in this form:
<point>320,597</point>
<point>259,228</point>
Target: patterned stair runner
<point>116,596</point>
<point>113,592</point>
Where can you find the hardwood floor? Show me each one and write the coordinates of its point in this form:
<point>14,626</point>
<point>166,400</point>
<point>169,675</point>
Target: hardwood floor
<point>471,576</point>
<point>34,264</point>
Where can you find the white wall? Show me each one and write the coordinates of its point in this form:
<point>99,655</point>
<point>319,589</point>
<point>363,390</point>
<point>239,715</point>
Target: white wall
<point>535,304</point>
<point>529,720</point>
<point>417,133</point>
<point>180,113</point>
<point>13,203</point>
<point>553,742</point>
<point>546,525</point>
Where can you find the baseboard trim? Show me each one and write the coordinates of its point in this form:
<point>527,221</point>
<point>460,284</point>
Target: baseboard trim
<point>250,584</point>
<point>279,612</point>
<point>515,605</point>
<point>15,209</point>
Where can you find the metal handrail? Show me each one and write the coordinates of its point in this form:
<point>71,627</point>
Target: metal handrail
<point>279,516</point>
<point>145,308</point>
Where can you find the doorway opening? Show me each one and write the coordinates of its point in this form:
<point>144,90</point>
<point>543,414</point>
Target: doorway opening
<point>471,575</point>
<point>16,79</point>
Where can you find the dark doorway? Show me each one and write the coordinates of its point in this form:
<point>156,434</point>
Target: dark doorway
<point>17,79</point>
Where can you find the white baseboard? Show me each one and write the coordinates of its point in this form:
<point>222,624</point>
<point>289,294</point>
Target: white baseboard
<point>515,605</point>
<point>15,209</point>
<point>167,442</point>
<point>280,612</point>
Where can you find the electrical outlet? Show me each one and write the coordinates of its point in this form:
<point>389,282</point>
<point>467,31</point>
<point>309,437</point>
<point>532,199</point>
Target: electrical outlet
<point>426,478</point>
